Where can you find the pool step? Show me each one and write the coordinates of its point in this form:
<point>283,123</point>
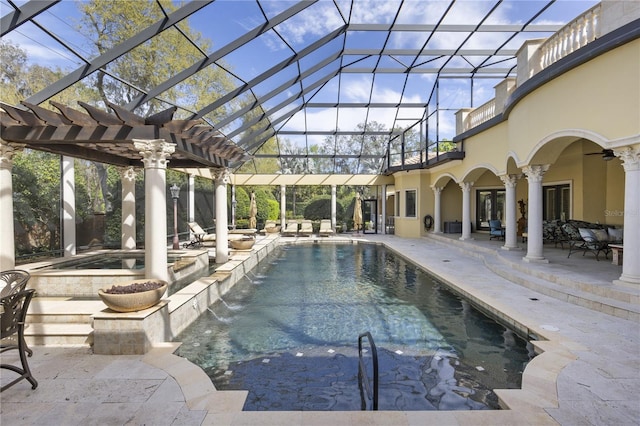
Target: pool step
<point>59,334</point>
<point>61,321</point>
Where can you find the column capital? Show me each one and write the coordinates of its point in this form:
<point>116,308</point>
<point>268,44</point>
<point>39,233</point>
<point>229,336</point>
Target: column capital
<point>154,152</point>
<point>128,173</point>
<point>437,189</point>
<point>221,176</point>
<point>509,181</point>
<point>630,156</point>
<point>7,151</point>
<point>466,186</point>
<point>534,173</point>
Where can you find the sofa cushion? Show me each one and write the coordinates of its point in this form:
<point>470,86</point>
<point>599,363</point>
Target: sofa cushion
<point>615,234</point>
<point>571,231</point>
<point>587,234</point>
<point>601,234</point>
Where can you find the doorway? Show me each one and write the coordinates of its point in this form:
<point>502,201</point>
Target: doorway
<point>370,216</point>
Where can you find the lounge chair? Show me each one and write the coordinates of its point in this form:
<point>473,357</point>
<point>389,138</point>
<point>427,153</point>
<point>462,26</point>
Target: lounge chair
<point>589,242</point>
<point>325,228</point>
<point>202,238</point>
<point>496,229</point>
<point>306,228</point>
<point>291,230</point>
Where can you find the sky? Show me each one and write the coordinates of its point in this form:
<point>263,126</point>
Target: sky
<point>226,20</point>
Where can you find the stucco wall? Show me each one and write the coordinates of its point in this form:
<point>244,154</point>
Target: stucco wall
<point>593,106</point>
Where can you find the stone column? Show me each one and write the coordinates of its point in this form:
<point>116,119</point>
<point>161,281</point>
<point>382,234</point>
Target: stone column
<point>466,210</point>
<point>191,200</point>
<point>7,233</point>
<point>630,157</point>
<point>128,179</point>
<point>333,206</point>
<point>283,206</point>
<point>154,156</point>
<point>383,210</point>
<point>68,183</point>
<point>534,221</point>
<point>233,206</point>
<point>511,221</point>
<point>221,179</point>
<point>437,220</point>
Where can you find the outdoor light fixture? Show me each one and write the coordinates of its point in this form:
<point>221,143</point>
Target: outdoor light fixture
<point>175,194</point>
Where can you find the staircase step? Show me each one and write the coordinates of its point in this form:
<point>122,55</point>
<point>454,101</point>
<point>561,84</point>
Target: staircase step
<point>62,310</point>
<point>59,334</point>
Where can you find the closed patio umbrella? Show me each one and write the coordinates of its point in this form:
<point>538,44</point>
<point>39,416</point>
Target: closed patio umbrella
<point>253,211</point>
<point>357,213</point>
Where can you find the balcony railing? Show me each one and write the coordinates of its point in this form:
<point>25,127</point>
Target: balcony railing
<point>576,34</point>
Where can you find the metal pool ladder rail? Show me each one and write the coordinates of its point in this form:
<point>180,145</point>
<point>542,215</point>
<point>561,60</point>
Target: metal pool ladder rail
<point>364,378</point>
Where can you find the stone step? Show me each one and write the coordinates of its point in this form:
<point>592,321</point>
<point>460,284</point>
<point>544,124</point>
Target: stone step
<point>61,321</point>
<point>62,310</point>
<point>58,334</point>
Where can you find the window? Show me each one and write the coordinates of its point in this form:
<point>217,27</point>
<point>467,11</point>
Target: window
<point>490,206</point>
<point>556,202</point>
<point>410,203</point>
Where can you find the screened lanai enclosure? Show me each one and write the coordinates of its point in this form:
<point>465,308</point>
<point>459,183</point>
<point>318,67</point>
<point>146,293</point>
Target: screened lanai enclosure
<point>343,87</point>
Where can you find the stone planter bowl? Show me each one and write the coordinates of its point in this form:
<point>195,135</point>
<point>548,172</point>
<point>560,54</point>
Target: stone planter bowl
<point>133,301</point>
<point>243,244</point>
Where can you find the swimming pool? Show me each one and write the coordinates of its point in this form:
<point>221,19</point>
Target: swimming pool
<point>288,334</point>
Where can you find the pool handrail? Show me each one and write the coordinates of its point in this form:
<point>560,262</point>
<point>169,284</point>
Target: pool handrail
<point>362,373</point>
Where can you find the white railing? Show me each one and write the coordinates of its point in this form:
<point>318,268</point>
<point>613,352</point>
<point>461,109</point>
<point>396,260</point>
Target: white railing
<point>481,114</point>
<point>576,34</point>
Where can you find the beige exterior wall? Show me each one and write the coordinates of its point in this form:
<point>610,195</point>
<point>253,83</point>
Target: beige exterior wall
<point>591,107</point>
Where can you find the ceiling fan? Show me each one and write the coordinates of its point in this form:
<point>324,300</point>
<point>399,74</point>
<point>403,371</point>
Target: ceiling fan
<point>607,154</point>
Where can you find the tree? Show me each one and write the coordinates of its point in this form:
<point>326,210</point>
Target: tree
<point>110,23</point>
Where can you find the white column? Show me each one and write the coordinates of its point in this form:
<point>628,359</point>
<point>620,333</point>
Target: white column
<point>383,209</point>
<point>68,183</point>
<point>128,237</point>
<point>437,220</point>
<point>534,221</point>
<point>221,179</point>
<point>7,234</point>
<point>283,206</point>
<point>333,207</point>
<point>466,210</point>
<point>154,156</point>
<point>630,266</point>
<point>233,206</point>
<point>511,221</point>
<point>191,200</point>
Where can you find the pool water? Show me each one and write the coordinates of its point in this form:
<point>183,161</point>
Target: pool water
<point>107,261</point>
<point>288,334</point>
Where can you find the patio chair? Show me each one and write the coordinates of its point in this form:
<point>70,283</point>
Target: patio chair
<point>495,229</point>
<point>589,242</point>
<point>13,310</point>
<point>306,228</point>
<point>291,230</point>
<point>15,280</point>
<point>202,238</point>
<point>325,228</point>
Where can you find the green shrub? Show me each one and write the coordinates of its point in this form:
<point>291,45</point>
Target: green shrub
<point>320,208</point>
